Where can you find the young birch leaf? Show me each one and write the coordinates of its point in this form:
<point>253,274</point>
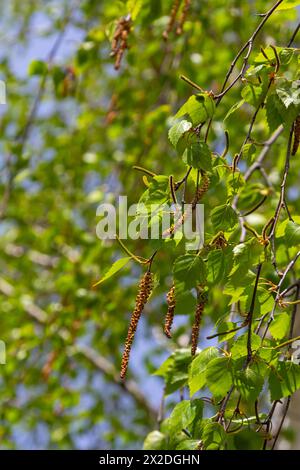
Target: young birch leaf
<point>184,414</point>
<point>197,378</point>
<point>280,325</point>
<point>239,348</point>
<point>178,130</point>
<point>274,118</point>
<point>219,376</point>
<point>292,234</point>
<point>288,4</point>
<point>234,108</point>
<point>190,270</point>
<point>199,107</point>
<point>117,266</point>
<point>174,370</point>
<point>285,380</point>
<point>248,382</point>
<point>155,441</point>
<point>253,94</point>
<point>224,218</point>
<point>198,155</point>
<point>213,436</point>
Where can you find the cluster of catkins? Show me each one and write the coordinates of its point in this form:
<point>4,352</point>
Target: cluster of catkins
<point>145,290</point>
<point>120,40</point>
<point>173,17</point>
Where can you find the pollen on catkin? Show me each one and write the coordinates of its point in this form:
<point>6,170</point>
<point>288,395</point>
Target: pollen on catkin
<point>144,292</point>
<point>170,312</point>
<point>296,136</point>
<point>196,326</point>
<point>202,189</point>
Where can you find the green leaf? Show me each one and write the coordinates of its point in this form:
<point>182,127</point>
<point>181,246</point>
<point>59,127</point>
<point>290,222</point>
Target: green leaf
<point>155,441</point>
<point>288,95</point>
<point>249,151</point>
<point>224,218</point>
<point>219,263</point>
<point>274,118</point>
<point>280,325</point>
<point>246,256</point>
<point>197,377</point>
<point>278,113</point>
<point>178,130</point>
<point>184,414</point>
<point>198,155</point>
<point>175,370</point>
<point>188,444</point>
<point>189,271</point>
<point>287,4</point>
<point>285,380</point>
<point>199,107</point>
<point>213,436</point>
<point>285,55</point>
<point>219,376</point>
<point>37,67</point>
<point>239,348</point>
<point>117,266</point>
<point>234,108</point>
<point>249,383</point>
<point>292,234</point>
<point>134,7</point>
<point>253,94</point>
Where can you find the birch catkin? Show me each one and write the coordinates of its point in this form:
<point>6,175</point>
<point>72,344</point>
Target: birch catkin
<point>119,42</point>
<point>202,189</point>
<point>173,14</point>
<point>196,326</point>
<point>186,7</point>
<point>170,313</point>
<point>296,136</point>
<point>144,292</point>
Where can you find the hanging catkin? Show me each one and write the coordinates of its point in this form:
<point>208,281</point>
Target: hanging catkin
<point>196,326</point>
<point>202,189</point>
<point>185,10</point>
<point>296,136</point>
<point>172,19</point>
<point>145,289</point>
<point>170,313</point>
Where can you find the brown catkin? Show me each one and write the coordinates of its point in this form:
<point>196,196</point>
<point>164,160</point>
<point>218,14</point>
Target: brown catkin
<point>119,42</point>
<point>172,19</point>
<point>144,292</point>
<point>185,10</point>
<point>296,136</point>
<point>170,313</point>
<point>202,189</point>
<point>196,326</point>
